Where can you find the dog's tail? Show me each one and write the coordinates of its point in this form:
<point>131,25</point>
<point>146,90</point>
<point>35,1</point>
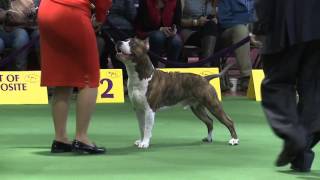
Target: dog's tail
<point>212,76</point>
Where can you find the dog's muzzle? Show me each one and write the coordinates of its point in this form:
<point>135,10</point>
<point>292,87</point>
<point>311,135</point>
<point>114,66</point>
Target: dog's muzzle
<point>123,47</point>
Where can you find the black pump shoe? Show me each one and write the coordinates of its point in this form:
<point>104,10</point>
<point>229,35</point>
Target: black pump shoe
<point>82,148</point>
<point>60,147</point>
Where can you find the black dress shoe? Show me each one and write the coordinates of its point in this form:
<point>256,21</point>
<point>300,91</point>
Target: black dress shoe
<point>82,148</point>
<point>303,161</point>
<point>285,157</point>
<point>289,153</point>
<point>299,169</point>
<point>60,147</point>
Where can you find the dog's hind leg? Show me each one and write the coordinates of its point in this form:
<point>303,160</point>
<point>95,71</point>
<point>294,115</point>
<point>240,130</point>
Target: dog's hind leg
<point>216,109</point>
<point>201,113</point>
<point>141,120</point>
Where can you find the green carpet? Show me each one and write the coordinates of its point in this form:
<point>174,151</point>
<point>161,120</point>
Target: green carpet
<point>176,153</point>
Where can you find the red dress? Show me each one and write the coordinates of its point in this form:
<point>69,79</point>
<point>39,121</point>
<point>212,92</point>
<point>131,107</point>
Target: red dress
<point>69,53</point>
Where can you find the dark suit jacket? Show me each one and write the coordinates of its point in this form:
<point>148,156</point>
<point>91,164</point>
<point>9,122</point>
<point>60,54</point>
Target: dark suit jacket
<point>288,22</point>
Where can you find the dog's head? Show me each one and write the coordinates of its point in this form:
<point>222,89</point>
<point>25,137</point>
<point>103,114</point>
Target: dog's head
<point>132,50</point>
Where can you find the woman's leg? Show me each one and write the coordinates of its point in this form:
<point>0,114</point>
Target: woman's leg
<point>86,102</point>
<point>60,108</point>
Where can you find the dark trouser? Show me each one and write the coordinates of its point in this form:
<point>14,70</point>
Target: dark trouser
<point>15,39</point>
<point>159,42</point>
<point>294,70</point>
<point>303,161</point>
<point>209,29</point>
<point>204,37</point>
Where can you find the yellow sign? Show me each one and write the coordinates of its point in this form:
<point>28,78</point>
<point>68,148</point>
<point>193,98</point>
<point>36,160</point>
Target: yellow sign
<point>200,71</point>
<point>111,86</point>
<point>254,88</point>
<point>22,87</point>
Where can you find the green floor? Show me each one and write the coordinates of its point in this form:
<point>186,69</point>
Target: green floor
<point>176,152</point>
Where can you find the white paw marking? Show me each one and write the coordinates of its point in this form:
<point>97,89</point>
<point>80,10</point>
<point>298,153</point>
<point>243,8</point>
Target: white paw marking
<point>233,142</point>
<point>137,142</point>
<point>207,140</point>
<point>143,145</point>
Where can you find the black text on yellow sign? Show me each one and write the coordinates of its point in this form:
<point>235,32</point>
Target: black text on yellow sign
<point>22,87</point>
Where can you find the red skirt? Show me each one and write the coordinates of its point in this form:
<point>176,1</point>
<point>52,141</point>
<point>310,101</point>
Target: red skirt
<point>69,53</point>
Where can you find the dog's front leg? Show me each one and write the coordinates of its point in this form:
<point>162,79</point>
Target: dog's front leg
<point>149,121</point>
<point>141,120</point>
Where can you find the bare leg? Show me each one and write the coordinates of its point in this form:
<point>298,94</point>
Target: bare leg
<point>60,108</point>
<point>86,102</point>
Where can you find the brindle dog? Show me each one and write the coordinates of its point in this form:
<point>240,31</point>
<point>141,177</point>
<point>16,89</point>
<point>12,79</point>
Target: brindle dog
<point>151,89</point>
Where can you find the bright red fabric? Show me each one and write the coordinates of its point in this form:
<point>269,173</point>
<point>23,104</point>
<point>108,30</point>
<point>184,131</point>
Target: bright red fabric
<point>69,53</point>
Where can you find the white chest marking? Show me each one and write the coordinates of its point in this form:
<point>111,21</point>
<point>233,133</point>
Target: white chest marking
<point>137,90</point>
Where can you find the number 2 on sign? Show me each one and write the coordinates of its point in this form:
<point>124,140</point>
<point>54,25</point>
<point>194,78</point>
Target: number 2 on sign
<point>106,93</point>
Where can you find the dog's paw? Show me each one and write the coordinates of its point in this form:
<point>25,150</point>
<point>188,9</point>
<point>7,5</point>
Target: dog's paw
<point>137,142</point>
<point>233,142</point>
<point>207,140</point>
<point>143,145</point>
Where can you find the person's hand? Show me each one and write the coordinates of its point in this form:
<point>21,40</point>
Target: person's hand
<point>166,30</point>
<point>173,30</point>
<point>257,40</point>
<point>96,25</point>
<point>212,18</point>
<point>202,21</point>
<point>32,13</point>
<point>169,31</point>
<point>215,20</point>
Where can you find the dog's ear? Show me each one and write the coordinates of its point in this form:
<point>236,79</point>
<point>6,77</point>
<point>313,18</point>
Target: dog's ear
<point>146,43</point>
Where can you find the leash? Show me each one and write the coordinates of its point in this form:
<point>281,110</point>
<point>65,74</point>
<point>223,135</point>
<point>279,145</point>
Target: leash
<point>16,52</point>
<point>214,57</point>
